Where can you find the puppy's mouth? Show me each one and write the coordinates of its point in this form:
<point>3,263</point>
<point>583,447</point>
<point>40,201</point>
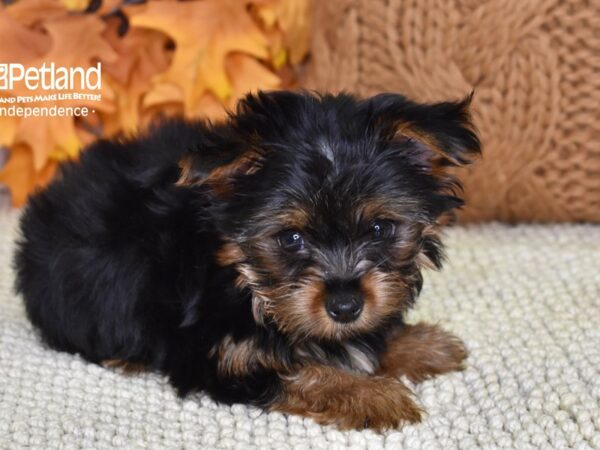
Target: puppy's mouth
<point>314,308</point>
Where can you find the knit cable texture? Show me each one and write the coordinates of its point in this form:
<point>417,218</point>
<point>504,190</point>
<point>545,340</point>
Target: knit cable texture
<point>526,300</point>
<point>535,69</point>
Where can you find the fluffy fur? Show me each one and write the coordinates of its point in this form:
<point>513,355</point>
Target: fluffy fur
<point>267,260</point>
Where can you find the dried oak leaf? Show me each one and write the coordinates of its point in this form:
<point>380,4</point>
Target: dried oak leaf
<point>142,54</point>
<point>75,5</point>
<point>294,19</point>
<point>33,13</point>
<point>248,75</point>
<point>204,33</point>
<point>76,42</point>
<point>18,174</point>
<point>287,23</point>
<point>19,43</point>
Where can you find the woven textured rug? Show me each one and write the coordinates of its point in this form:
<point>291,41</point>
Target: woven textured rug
<point>525,299</point>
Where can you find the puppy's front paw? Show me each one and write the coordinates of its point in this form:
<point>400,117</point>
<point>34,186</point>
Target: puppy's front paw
<point>384,404</point>
<point>422,351</point>
<point>332,397</point>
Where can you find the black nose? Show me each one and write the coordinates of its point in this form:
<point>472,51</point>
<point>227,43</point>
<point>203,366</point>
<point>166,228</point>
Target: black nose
<point>344,305</point>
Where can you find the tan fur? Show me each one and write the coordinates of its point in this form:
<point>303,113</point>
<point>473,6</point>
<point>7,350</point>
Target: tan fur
<point>430,230</point>
<point>187,176</point>
<point>422,351</point>
<point>229,254</point>
<point>384,294</point>
<point>377,209</point>
<point>294,218</point>
<point>299,309</point>
<point>125,367</point>
<point>407,130</point>
<point>300,314</point>
<point>350,401</point>
<point>220,178</point>
<point>240,358</point>
<point>235,358</point>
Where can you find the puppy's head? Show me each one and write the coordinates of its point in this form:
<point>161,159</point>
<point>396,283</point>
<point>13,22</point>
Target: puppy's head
<point>332,205</point>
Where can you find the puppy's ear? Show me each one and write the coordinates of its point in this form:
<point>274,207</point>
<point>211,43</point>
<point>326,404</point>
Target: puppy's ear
<point>217,159</point>
<point>444,130</point>
<point>218,175</point>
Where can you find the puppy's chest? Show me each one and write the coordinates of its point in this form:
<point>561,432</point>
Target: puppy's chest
<point>354,357</point>
<point>240,357</point>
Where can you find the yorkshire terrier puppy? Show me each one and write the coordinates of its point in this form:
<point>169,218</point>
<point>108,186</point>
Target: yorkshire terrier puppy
<point>267,260</point>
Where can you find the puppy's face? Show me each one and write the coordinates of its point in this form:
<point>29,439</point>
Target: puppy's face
<point>334,205</point>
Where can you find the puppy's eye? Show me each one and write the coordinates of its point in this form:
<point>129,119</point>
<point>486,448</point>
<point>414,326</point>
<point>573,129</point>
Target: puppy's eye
<point>382,229</point>
<point>291,240</point>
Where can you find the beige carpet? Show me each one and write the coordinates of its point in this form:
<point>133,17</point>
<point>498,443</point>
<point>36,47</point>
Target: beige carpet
<point>525,299</point>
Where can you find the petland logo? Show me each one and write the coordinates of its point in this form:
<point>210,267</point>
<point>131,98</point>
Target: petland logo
<point>50,77</point>
<point>49,90</point>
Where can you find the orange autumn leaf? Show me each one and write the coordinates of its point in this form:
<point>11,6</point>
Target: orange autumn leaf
<point>19,44</point>
<point>163,93</point>
<point>294,18</point>
<point>25,45</point>
<point>245,74</point>
<point>142,55</point>
<point>32,13</point>
<point>75,5</point>
<point>106,6</point>
<point>89,128</point>
<point>249,75</point>
<point>288,27</point>
<point>20,175</point>
<point>210,107</point>
<point>48,138</point>
<point>204,33</point>
<point>193,59</point>
<point>55,137</point>
<point>8,129</point>
<point>153,114</point>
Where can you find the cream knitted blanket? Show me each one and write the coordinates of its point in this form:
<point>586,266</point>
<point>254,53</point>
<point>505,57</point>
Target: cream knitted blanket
<point>525,299</point>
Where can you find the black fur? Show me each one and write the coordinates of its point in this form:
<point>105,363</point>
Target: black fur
<point>117,261</point>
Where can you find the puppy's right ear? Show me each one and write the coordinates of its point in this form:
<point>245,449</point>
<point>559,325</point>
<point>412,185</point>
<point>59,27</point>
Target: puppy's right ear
<point>217,169</point>
<point>444,130</point>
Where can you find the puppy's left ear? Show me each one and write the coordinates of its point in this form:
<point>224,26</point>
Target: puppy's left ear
<point>220,176</point>
<point>445,129</point>
<point>217,159</point>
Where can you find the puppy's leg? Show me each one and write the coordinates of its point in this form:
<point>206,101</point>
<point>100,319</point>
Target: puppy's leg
<point>422,351</point>
<point>125,367</point>
<point>350,401</point>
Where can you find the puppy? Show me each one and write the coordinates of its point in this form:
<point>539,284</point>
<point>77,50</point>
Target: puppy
<point>268,260</point>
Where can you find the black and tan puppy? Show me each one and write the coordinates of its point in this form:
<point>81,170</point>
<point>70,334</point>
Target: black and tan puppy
<point>267,260</point>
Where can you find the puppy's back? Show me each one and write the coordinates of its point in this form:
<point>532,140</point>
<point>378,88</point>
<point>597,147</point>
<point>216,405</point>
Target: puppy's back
<point>95,242</point>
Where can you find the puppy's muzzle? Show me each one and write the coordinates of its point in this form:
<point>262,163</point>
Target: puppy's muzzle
<point>344,303</point>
